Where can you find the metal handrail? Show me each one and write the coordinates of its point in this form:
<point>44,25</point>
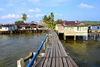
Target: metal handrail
<point>37,53</point>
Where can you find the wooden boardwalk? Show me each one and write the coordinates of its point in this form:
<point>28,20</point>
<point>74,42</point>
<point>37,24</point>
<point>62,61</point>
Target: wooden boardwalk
<point>55,55</point>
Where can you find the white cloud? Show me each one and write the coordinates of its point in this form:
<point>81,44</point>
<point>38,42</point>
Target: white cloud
<point>29,16</point>
<point>31,10</point>
<point>85,6</point>
<point>35,10</point>
<point>39,15</point>
<point>2,9</point>
<point>9,16</point>
<point>10,4</point>
<point>36,2</point>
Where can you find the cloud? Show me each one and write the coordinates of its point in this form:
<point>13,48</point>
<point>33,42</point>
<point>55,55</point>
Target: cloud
<point>82,5</point>
<point>36,2</point>
<point>35,10</point>
<point>10,16</point>
<point>10,4</point>
<point>2,9</point>
<point>39,15</point>
<point>29,16</point>
<point>31,10</point>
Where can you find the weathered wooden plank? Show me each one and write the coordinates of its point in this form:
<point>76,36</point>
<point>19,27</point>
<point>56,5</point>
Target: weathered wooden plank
<point>37,62</point>
<point>53,55</point>
<point>46,60</point>
<point>50,59</point>
<point>68,62</point>
<point>40,64</point>
<point>72,61</point>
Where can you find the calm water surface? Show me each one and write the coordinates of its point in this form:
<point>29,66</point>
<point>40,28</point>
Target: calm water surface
<point>14,47</point>
<point>85,53</point>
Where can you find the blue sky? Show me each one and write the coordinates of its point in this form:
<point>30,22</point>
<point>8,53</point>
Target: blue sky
<point>71,10</point>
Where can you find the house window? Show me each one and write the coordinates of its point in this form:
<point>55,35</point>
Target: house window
<point>79,28</point>
<point>5,27</point>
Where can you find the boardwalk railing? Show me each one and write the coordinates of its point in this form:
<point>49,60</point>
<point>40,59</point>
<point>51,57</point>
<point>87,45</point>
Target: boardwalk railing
<point>30,57</point>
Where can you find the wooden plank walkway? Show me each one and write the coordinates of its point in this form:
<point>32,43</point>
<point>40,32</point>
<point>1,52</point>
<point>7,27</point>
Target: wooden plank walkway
<point>55,55</point>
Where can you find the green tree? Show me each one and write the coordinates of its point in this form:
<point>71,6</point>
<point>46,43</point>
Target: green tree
<point>52,19</point>
<point>24,17</point>
<point>52,16</point>
<point>49,20</point>
<point>45,18</point>
<point>19,22</point>
<point>59,20</point>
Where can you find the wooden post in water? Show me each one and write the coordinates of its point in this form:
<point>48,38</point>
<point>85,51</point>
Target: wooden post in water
<point>20,63</point>
<point>11,31</point>
<point>74,37</point>
<point>86,37</point>
<point>94,37</point>
<point>64,37</point>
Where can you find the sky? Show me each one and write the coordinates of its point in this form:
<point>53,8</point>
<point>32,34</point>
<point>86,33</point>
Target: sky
<point>70,10</point>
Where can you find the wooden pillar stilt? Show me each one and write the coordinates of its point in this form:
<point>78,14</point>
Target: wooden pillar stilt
<point>74,37</point>
<point>64,37</point>
<point>94,37</point>
<point>86,37</point>
<point>20,63</point>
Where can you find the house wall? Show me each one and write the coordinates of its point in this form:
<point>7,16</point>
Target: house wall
<point>3,28</point>
<point>8,28</point>
<point>59,28</point>
<point>76,30</point>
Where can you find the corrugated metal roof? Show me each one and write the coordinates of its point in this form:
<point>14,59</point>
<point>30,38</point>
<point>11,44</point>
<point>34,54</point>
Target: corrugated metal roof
<point>6,25</point>
<point>71,23</point>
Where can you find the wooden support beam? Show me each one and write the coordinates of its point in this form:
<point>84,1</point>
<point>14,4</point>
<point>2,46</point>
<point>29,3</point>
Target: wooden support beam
<point>74,37</point>
<point>64,37</point>
<point>86,37</point>
<point>20,63</point>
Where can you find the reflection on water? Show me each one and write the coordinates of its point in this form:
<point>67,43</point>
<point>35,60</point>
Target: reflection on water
<point>16,46</point>
<point>85,53</point>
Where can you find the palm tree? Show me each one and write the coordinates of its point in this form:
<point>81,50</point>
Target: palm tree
<point>52,19</point>
<point>52,16</point>
<point>45,19</point>
<point>24,17</point>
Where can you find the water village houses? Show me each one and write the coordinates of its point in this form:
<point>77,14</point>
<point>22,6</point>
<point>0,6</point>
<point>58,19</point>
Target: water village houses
<point>27,26</point>
<point>72,28</point>
<point>8,27</point>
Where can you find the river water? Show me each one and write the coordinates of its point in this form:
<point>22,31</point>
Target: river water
<point>16,46</point>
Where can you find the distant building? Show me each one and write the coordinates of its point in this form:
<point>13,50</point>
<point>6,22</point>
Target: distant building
<point>94,28</point>
<point>8,27</point>
<point>72,28</point>
<point>27,26</point>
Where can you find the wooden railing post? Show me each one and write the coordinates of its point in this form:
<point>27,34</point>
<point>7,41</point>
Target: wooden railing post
<point>20,63</point>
